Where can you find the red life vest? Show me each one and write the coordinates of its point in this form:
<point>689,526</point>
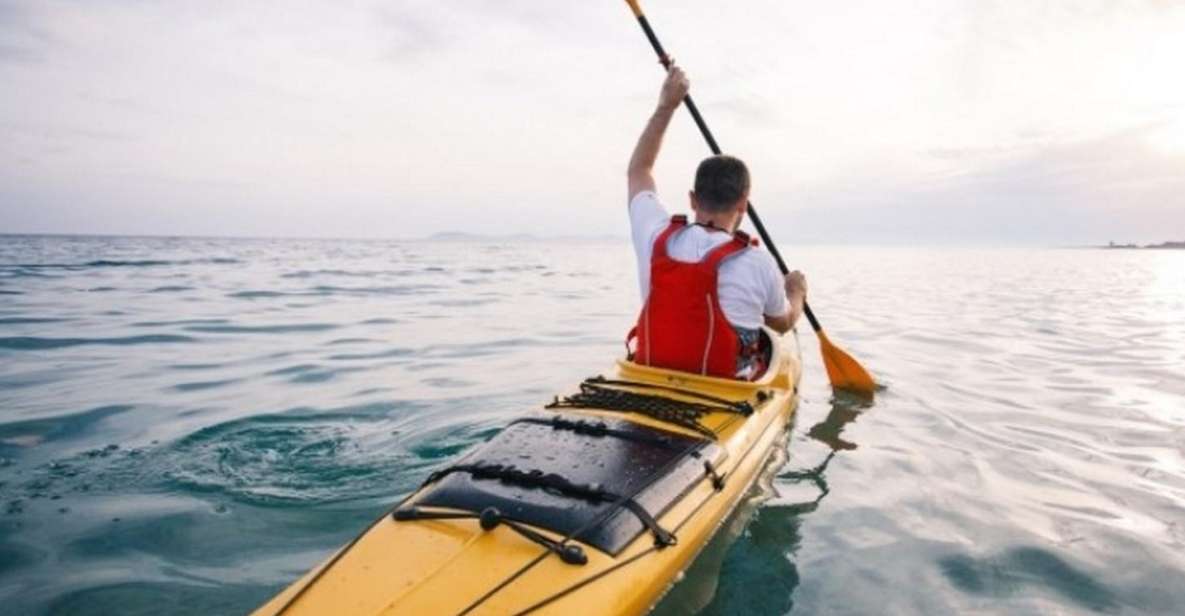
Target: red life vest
<point>682,326</point>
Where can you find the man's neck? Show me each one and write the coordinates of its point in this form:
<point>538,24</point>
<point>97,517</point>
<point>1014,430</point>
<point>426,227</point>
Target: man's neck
<point>723,222</point>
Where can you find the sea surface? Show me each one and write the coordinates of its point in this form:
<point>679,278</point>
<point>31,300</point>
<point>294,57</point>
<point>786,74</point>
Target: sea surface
<point>187,425</point>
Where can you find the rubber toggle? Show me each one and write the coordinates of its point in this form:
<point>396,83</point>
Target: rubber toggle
<point>490,518</point>
<point>716,478</point>
<point>664,538</point>
<point>403,515</point>
<point>573,554</point>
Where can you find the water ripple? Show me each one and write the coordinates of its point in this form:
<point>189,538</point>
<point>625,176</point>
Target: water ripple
<point>293,328</point>
<point>29,433</point>
<point>287,458</point>
<point>33,343</point>
<point>30,320</point>
<point>102,263</point>
<point>1028,455</point>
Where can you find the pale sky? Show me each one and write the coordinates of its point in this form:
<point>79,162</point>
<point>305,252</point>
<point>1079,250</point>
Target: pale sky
<point>897,122</point>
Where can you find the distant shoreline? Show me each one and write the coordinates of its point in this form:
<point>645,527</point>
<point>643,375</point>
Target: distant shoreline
<point>1160,246</point>
<point>443,237</point>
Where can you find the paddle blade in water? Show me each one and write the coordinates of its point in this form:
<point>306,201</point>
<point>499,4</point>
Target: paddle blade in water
<point>843,371</point>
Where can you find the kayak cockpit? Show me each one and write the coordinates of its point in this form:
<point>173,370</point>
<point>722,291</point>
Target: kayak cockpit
<point>780,351</point>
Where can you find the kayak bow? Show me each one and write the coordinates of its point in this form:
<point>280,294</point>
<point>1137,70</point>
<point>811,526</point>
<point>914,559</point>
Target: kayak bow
<point>593,506</point>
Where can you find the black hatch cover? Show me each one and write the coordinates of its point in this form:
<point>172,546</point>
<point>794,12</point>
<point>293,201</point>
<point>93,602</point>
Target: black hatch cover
<point>620,457</point>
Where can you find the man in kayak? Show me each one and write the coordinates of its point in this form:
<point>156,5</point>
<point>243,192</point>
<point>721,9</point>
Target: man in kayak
<point>706,288</point>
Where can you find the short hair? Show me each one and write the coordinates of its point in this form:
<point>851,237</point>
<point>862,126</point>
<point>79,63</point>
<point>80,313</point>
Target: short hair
<point>720,181</point>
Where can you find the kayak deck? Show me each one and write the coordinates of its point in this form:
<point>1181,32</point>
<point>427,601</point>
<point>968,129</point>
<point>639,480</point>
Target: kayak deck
<point>580,511</point>
<point>607,479</point>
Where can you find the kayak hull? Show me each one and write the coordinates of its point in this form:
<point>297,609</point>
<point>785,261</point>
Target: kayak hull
<point>453,566</point>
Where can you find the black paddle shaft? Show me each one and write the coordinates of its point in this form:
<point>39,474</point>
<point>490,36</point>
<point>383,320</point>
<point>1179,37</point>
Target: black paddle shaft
<point>715,147</point>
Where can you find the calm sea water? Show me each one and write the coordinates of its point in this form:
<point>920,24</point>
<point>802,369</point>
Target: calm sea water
<point>186,425</point>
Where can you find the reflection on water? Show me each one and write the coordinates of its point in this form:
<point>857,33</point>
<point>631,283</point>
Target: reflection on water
<point>750,561</point>
<point>814,475</point>
<point>1009,572</point>
<point>845,408</point>
<point>186,425</point>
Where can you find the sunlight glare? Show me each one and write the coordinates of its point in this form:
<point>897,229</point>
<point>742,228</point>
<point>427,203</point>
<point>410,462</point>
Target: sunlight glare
<point>1169,138</point>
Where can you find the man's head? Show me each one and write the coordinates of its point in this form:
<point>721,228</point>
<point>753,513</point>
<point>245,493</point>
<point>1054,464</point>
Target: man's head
<point>721,191</point>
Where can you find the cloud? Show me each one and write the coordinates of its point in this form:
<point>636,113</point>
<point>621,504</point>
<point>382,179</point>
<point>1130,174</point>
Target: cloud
<point>939,121</point>
<point>23,39</point>
<point>1113,187</point>
<point>412,36</point>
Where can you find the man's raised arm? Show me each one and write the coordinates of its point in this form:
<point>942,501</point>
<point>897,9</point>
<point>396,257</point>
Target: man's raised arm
<point>641,169</point>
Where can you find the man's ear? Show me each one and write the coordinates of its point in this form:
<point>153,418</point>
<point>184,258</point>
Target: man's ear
<point>694,202</point>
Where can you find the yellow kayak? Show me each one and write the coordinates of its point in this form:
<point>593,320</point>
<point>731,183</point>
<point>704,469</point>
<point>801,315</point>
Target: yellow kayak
<point>594,505</point>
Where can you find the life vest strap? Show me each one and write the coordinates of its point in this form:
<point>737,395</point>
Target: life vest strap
<point>739,242</point>
<point>678,221</point>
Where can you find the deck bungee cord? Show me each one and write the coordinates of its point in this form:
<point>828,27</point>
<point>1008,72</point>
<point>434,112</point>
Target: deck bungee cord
<point>599,393</point>
<point>743,407</point>
<point>599,428</point>
<point>670,540</point>
<point>666,538</point>
<point>595,395</point>
<point>535,479</point>
<point>717,488</point>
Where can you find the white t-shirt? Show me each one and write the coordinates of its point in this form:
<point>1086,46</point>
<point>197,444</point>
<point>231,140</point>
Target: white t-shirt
<point>749,284</point>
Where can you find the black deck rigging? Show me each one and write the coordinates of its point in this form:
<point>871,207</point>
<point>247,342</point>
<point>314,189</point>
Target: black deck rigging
<point>609,395</point>
<point>602,483</point>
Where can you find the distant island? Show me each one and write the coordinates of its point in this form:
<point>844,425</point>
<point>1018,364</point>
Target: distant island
<point>1160,246</point>
<point>460,236</point>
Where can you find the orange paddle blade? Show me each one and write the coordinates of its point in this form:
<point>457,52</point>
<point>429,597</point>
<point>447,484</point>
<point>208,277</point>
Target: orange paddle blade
<point>843,371</point>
